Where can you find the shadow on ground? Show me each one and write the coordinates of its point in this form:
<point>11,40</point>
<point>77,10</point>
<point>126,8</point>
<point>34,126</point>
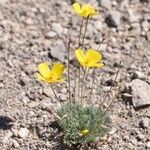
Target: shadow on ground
<point>5,122</point>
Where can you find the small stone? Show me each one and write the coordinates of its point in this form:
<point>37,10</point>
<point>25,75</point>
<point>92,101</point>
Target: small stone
<point>148,144</point>
<point>106,4</point>
<point>15,143</point>
<point>113,131</point>
<point>50,34</point>
<point>57,28</point>
<point>145,26</point>
<point>114,19</point>
<point>145,123</point>
<point>46,105</point>
<point>29,21</point>
<point>23,132</point>
<point>141,93</point>
<point>133,15</point>
<point>58,50</point>
<point>47,92</point>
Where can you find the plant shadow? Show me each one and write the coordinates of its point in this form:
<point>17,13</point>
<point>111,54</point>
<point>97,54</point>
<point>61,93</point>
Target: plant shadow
<point>5,123</point>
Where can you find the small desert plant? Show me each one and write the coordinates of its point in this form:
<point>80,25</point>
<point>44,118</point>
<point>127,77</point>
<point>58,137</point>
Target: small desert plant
<point>82,123</point>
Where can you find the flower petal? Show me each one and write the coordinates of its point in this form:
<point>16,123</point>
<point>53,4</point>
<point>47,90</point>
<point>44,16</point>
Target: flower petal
<point>44,70</point>
<point>77,8</point>
<point>39,77</point>
<point>57,71</point>
<point>80,55</point>
<point>99,65</point>
<point>88,10</point>
<point>93,57</point>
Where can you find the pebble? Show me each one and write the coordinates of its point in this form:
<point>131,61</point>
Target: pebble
<point>145,123</point>
<point>23,133</point>
<point>145,26</point>
<point>114,19</point>
<point>58,50</point>
<point>113,131</point>
<point>148,144</point>
<point>15,143</point>
<point>56,27</point>
<point>50,34</point>
<point>106,4</point>
<point>141,93</point>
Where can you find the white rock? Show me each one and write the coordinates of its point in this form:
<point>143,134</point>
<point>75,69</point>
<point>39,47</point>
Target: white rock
<point>113,131</point>
<point>141,93</point>
<point>58,50</point>
<point>145,123</point>
<point>114,19</point>
<point>106,4</point>
<point>145,25</point>
<point>57,28</point>
<point>15,143</point>
<point>23,132</point>
<point>50,34</point>
<point>148,144</point>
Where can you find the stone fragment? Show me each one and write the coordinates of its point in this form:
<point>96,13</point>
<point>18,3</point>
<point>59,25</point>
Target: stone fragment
<point>145,123</point>
<point>114,19</point>
<point>141,93</point>
<point>58,50</point>
<point>106,4</point>
<point>15,144</point>
<point>23,132</point>
<point>57,28</point>
<point>148,144</point>
<point>50,34</point>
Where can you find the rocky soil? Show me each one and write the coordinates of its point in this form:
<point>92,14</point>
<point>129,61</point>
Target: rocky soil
<point>33,31</point>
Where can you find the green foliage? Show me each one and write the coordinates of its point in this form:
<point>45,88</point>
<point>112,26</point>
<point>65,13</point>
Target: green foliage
<point>75,118</point>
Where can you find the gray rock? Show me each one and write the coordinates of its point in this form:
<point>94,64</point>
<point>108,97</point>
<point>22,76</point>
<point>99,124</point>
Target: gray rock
<point>58,50</point>
<point>29,21</point>
<point>57,28</point>
<point>106,4</point>
<point>145,26</point>
<point>23,133</point>
<point>133,15</point>
<point>114,19</point>
<point>113,131</point>
<point>148,144</point>
<point>50,34</point>
<point>141,93</point>
<point>145,123</point>
<point>15,143</point>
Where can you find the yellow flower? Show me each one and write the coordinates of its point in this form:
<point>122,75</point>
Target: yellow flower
<point>91,59</point>
<point>84,10</point>
<point>84,132</point>
<point>50,76</point>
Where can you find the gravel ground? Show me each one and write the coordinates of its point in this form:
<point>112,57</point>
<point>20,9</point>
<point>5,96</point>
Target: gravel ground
<point>35,31</point>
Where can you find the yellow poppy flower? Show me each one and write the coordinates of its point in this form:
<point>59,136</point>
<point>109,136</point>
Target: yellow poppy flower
<point>92,58</point>
<point>84,10</point>
<point>50,76</point>
<point>84,132</point>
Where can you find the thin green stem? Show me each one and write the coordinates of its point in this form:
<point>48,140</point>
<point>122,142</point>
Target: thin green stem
<point>75,86</point>
<point>107,94</point>
<point>58,99</point>
<point>84,76</point>
<point>92,86</point>
<point>87,20</point>
<point>69,87</point>
<point>79,82</point>
<point>80,32</point>
<point>110,104</point>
